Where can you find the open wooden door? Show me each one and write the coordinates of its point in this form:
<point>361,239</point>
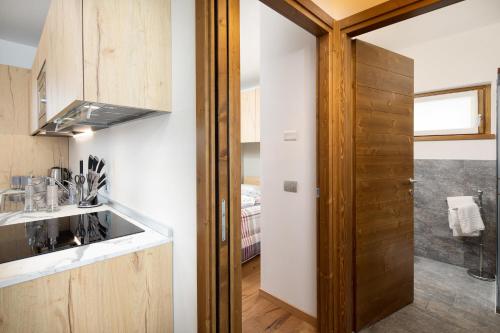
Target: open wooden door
<point>383,249</point>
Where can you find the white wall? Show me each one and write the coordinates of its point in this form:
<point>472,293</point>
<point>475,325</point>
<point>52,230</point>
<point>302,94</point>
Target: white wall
<point>15,54</point>
<point>250,43</point>
<point>288,102</point>
<point>152,166</point>
<point>250,158</point>
<point>454,60</point>
<point>463,59</point>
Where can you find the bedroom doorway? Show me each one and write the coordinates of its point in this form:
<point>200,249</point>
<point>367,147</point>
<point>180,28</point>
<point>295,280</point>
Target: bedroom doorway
<point>219,158</point>
<point>278,66</point>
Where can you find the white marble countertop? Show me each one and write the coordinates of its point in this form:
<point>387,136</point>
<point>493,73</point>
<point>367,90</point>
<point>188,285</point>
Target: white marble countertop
<point>22,270</point>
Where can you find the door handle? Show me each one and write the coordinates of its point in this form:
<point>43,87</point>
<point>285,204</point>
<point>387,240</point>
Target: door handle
<point>413,181</point>
<point>223,231</point>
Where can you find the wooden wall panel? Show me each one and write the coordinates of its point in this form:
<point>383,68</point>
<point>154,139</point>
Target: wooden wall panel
<point>130,293</point>
<point>14,100</point>
<point>20,153</point>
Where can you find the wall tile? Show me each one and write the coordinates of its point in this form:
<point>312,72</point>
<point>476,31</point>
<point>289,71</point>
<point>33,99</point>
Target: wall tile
<point>438,180</point>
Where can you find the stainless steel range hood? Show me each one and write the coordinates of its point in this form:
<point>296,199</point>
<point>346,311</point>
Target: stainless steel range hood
<point>88,116</point>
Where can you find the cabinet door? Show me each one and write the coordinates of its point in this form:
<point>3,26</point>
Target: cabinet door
<point>34,98</point>
<point>64,65</point>
<point>247,115</point>
<point>127,53</point>
<point>38,63</point>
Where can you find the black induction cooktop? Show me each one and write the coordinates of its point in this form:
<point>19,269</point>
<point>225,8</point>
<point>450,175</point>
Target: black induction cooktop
<point>24,240</point>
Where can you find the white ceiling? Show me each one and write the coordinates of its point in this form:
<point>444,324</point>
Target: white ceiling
<point>21,21</point>
<point>457,18</point>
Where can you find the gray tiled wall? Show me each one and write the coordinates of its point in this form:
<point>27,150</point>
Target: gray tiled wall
<point>438,180</point>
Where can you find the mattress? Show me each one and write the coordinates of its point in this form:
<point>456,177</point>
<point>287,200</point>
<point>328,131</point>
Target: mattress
<point>250,222</point>
<point>250,232</point>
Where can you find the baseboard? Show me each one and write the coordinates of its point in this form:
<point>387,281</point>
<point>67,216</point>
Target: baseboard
<point>293,310</point>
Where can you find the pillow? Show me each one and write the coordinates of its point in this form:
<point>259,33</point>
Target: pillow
<point>252,191</point>
<point>247,201</point>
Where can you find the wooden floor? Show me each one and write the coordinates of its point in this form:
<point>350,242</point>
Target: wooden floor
<point>447,300</point>
<point>260,315</point>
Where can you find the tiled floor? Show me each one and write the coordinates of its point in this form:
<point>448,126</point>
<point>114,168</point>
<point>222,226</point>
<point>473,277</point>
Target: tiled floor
<point>447,300</point>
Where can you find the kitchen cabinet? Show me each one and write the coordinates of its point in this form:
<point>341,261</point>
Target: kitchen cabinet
<point>129,293</point>
<point>112,52</point>
<point>58,62</point>
<point>250,115</point>
<point>127,53</point>
<point>64,67</point>
<point>39,61</point>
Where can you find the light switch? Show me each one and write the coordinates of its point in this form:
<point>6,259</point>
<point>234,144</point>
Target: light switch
<point>290,135</point>
<point>290,186</point>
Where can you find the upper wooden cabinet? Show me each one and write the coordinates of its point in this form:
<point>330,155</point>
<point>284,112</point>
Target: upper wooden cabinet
<point>127,53</point>
<point>111,52</point>
<point>64,66</point>
<point>250,115</point>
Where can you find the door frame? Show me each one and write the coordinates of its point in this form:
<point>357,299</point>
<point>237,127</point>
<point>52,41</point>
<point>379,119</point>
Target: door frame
<point>335,126</point>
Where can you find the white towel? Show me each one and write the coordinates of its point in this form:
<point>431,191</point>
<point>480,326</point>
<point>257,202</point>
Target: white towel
<point>464,217</point>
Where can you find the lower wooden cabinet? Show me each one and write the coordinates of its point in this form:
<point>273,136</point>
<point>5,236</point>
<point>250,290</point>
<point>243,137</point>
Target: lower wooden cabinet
<point>131,293</point>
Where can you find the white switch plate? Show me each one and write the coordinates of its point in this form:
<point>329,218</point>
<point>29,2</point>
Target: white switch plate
<point>290,135</point>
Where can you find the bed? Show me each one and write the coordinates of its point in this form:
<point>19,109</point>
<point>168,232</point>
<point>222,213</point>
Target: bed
<point>250,221</point>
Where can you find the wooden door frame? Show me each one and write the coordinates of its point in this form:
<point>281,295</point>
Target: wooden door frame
<point>335,147</point>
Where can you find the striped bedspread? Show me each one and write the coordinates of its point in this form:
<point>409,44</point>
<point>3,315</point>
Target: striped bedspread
<point>250,232</point>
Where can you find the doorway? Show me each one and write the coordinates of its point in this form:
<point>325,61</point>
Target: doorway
<point>452,158</point>
<point>219,177</point>
<point>218,152</point>
<point>278,192</point>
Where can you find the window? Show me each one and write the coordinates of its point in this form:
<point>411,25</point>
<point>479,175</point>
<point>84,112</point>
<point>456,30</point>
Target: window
<point>462,113</point>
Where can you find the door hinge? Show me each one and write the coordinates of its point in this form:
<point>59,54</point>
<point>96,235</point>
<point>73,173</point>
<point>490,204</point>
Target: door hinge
<point>317,192</point>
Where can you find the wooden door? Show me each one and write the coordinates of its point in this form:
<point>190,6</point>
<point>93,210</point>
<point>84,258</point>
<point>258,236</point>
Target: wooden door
<point>383,190</point>
<point>228,175</point>
<point>222,172</point>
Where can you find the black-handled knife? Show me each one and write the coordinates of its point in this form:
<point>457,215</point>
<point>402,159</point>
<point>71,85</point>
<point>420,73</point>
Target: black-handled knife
<point>101,165</point>
<point>81,167</point>
<point>96,162</point>
<point>101,185</point>
<point>103,176</point>
<point>90,163</point>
